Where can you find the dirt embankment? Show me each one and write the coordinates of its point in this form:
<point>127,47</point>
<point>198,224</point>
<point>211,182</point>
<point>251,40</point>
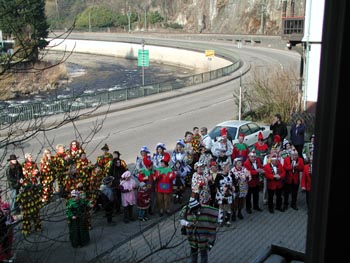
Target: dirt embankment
<point>31,79</point>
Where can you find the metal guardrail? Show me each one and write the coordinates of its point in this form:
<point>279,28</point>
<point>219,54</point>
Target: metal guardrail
<point>24,112</point>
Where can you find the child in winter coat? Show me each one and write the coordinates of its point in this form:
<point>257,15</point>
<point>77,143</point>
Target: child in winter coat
<point>108,197</point>
<point>127,187</point>
<point>143,200</point>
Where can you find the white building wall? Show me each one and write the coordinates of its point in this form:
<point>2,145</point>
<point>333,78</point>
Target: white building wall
<point>312,49</point>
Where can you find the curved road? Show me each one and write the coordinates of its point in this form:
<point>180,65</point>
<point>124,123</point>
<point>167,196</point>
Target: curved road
<point>166,121</point>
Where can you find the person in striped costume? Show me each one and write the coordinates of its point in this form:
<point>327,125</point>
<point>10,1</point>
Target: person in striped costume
<point>200,222</point>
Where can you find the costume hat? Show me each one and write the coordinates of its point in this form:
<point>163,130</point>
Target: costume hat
<point>238,159</point>
<point>105,147</point>
<point>223,131</point>
<point>107,180</point>
<point>161,145</point>
<point>74,193</point>
<point>12,157</point>
<point>252,153</point>
<point>117,152</point>
<point>145,149</point>
<point>260,136</point>
<point>285,142</point>
<point>277,138</point>
<point>274,157</point>
<point>126,175</point>
<point>193,203</point>
<point>181,142</point>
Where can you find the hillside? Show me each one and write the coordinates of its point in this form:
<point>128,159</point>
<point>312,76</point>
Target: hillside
<point>192,16</point>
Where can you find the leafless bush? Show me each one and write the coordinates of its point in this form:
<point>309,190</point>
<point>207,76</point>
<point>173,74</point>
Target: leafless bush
<point>270,91</point>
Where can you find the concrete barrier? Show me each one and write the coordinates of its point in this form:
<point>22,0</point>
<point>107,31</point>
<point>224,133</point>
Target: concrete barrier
<point>167,55</point>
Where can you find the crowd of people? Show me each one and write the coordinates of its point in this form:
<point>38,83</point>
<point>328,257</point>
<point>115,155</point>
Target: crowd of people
<point>222,177</point>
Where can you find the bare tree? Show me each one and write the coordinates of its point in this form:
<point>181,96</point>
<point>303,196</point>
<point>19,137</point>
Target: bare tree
<point>269,91</point>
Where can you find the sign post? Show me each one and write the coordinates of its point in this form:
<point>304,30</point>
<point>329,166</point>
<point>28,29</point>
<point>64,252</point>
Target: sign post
<point>209,54</point>
<point>143,60</point>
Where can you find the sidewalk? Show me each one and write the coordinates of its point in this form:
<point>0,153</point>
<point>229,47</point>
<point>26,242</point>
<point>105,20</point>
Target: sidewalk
<point>243,242</point>
<point>160,239</point>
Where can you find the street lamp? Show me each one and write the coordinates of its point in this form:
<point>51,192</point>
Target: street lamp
<point>129,14</point>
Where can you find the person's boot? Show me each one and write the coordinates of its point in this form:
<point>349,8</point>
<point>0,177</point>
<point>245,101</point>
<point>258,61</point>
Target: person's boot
<point>150,212</point>
<point>234,216</point>
<point>228,219</point>
<point>240,216</point>
<point>126,215</point>
<point>131,218</point>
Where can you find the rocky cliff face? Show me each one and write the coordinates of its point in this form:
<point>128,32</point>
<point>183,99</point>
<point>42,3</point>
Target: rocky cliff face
<point>229,16</point>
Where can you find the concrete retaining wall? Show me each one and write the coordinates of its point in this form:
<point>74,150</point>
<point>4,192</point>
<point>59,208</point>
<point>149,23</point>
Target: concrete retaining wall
<point>166,55</point>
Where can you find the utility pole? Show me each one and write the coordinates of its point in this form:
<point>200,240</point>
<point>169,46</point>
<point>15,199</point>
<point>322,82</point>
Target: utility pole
<point>263,16</point>
<point>129,14</point>
<point>240,95</point>
<point>89,20</point>
<point>145,19</point>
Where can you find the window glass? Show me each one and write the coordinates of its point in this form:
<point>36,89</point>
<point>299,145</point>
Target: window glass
<point>244,129</point>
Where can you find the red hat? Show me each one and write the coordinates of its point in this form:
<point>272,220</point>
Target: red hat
<point>277,138</point>
<point>274,157</point>
<point>147,161</point>
<point>252,153</point>
<point>223,131</point>
<point>260,136</point>
<point>166,158</point>
<point>212,163</point>
<point>242,134</point>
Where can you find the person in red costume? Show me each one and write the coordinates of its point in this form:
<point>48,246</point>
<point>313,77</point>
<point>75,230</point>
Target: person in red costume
<point>294,167</point>
<point>240,149</point>
<point>146,175</point>
<point>274,173</point>
<point>255,167</point>
<point>164,188</point>
<point>261,148</point>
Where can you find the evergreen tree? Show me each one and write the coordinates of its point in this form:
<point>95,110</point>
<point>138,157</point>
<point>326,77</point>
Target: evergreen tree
<point>25,22</point>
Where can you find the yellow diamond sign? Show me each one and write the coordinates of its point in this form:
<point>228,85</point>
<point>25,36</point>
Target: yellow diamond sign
<point>209,53</point>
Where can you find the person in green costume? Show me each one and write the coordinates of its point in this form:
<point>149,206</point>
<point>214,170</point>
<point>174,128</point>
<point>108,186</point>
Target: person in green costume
<point>77,220</point>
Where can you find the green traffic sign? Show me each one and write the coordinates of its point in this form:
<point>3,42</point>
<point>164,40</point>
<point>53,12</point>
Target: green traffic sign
<point>143,58</point>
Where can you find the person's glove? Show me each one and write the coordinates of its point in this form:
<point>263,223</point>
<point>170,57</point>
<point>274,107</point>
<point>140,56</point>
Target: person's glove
<point>183,222</point>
